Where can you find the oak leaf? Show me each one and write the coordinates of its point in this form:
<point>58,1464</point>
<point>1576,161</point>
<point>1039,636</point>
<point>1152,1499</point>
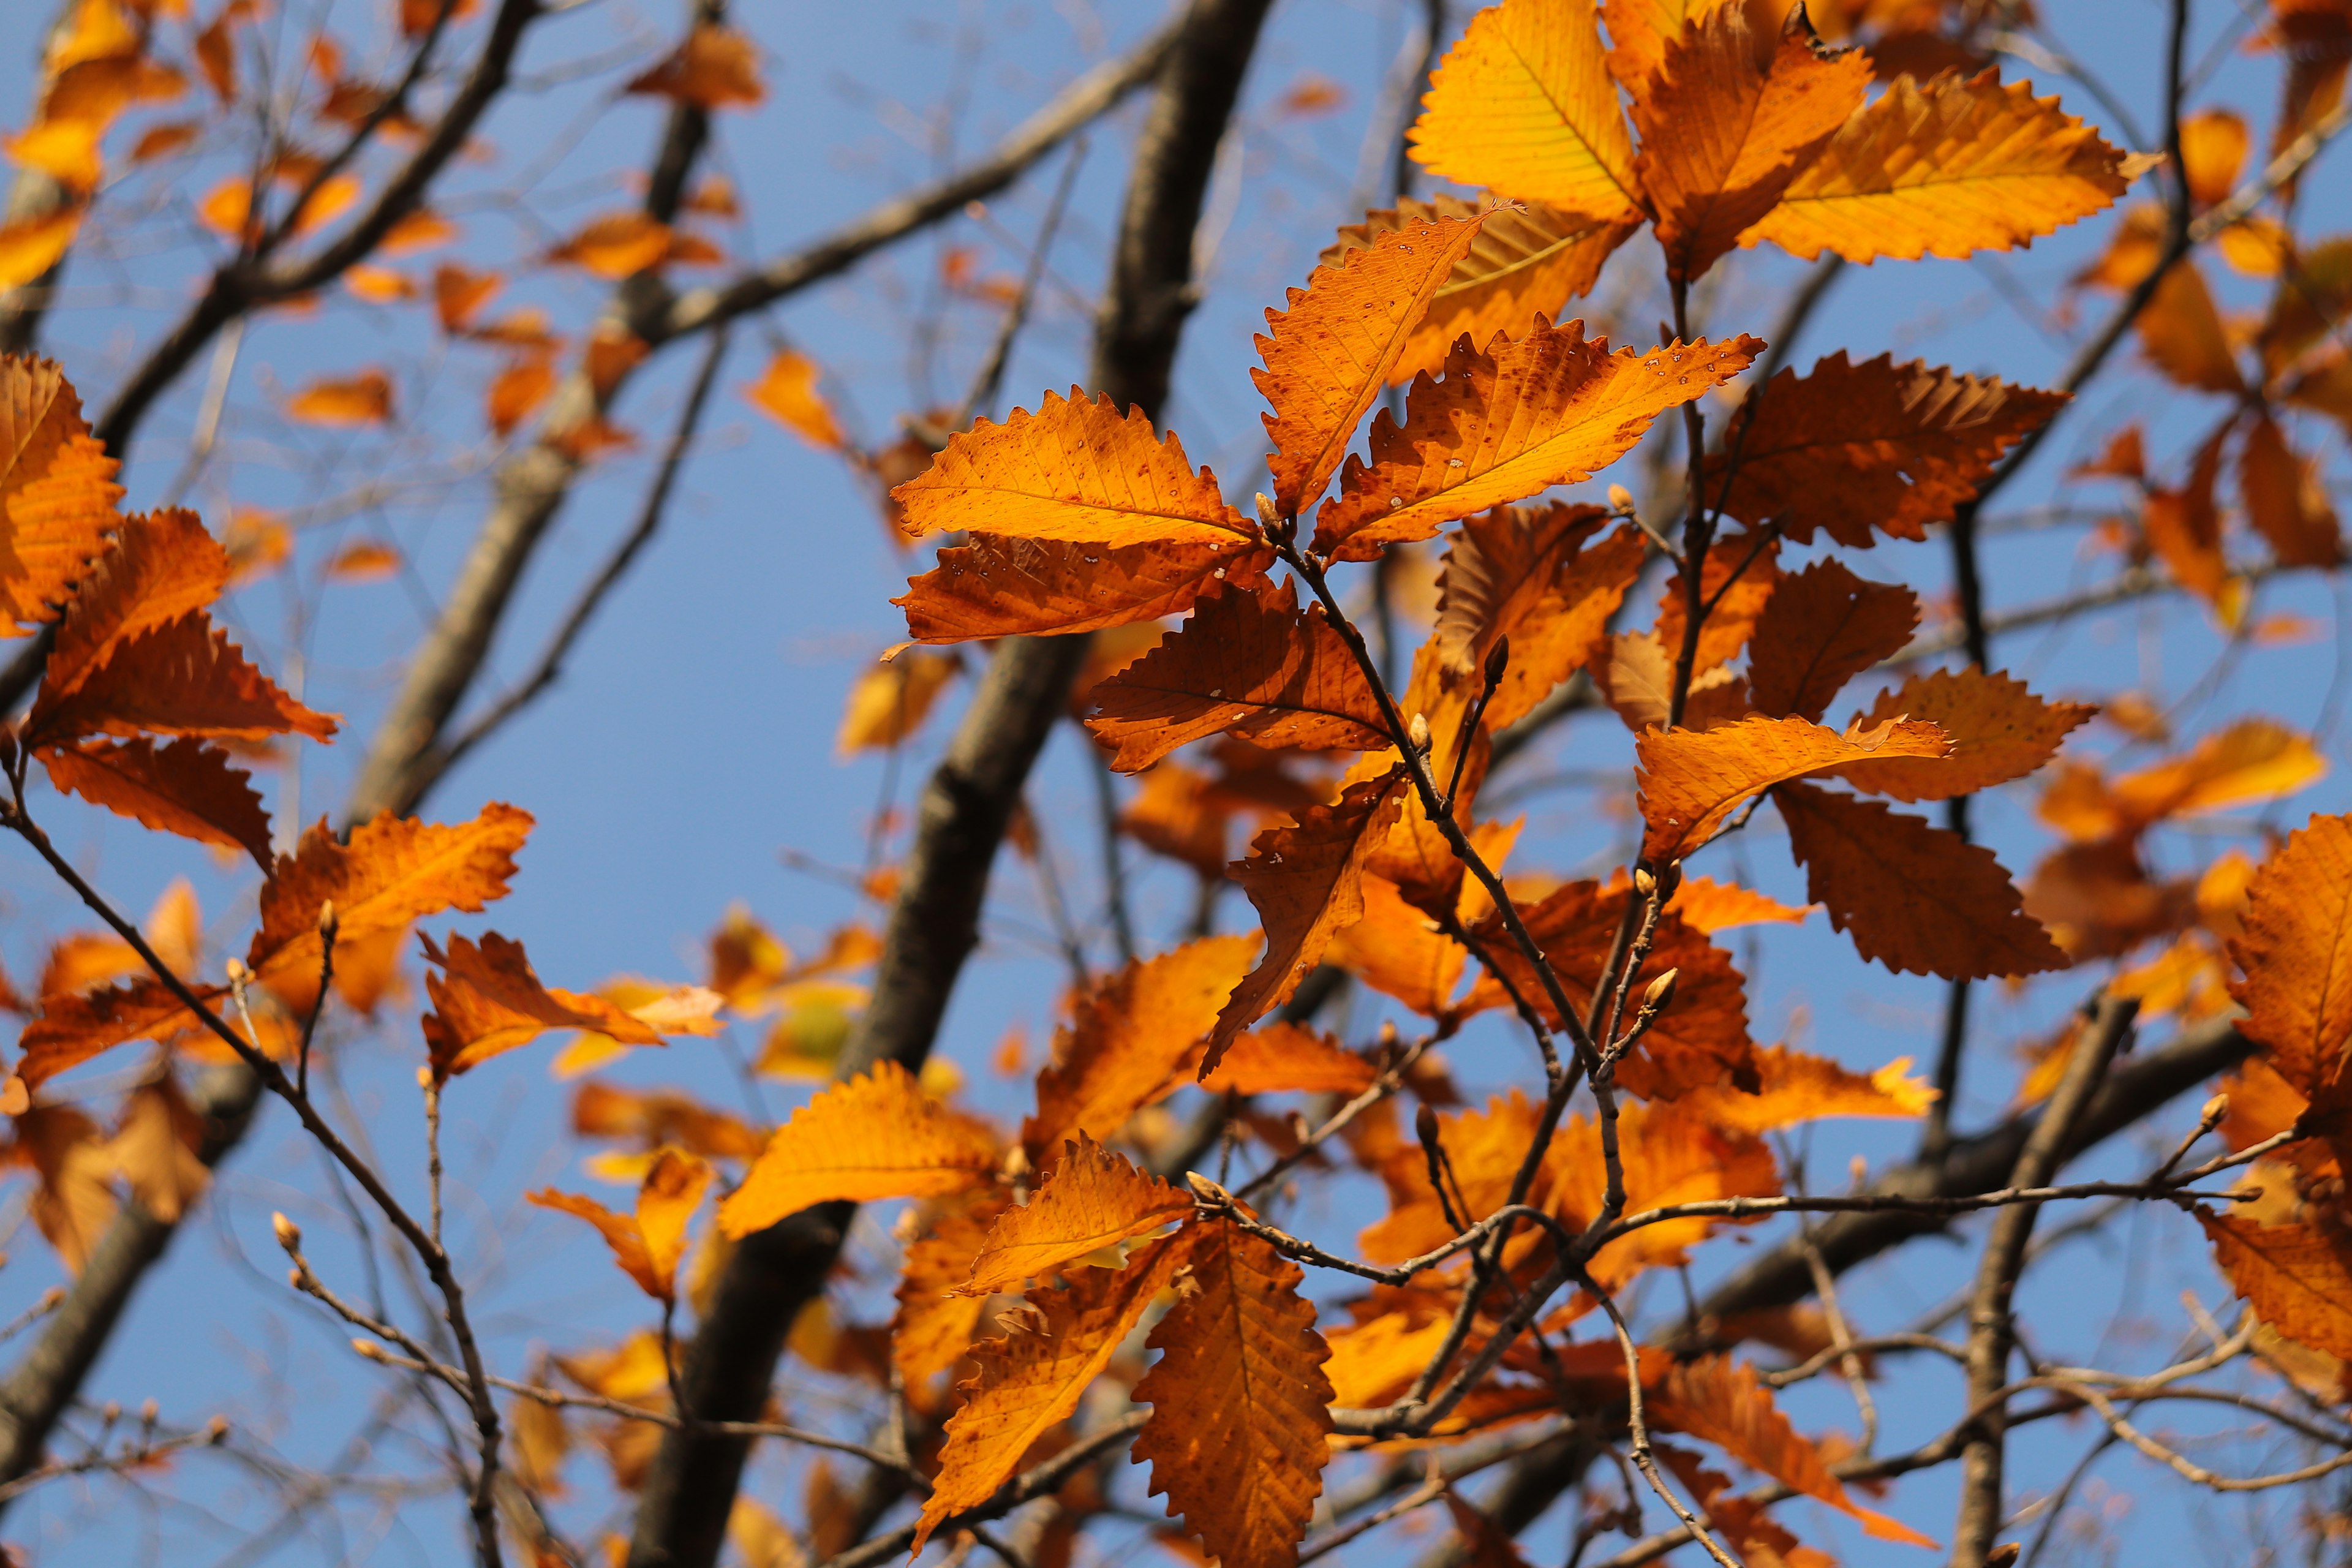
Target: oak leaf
<point>1032,1379</point>
<point>657,1118</point>
<point>1128,1036</point>
<point>1328,356</point>
<point>1634,674</point>
<point>1289,1059</point>
<point>1181,814</point>
<point>1306,880</point>
<point>393,871</point>
<point>1249,663</point>
<point>2296,1277</point>
<point>1959,166</point>
<point>1075,471</point>
<point>1374,1362</point>
<point>1743,1525</point>
<point>1091,1199</point>
<point>1917,898</point>
<point>518,392</point>
<point>1730,117</point>
<point>1240,1407</point>
<point>2253,760</point>
<point>1861,450</point>
<point>1528,260</point>
<point>1822,627</point>
<point>1692,781</point>
<point>993,587</point>
<point>57,492</point>
<point>1998,731</point>
<point>1725,1405</point>
<point>186,787</point>
<point>1552,408</point>
<point>486,1001</point>
<point>1523,102</point>
<point>875,1136</point>
<point>2297,987</point>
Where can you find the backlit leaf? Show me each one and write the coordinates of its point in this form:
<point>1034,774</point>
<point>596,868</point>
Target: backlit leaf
<point>1708,906</point>
<point>616,246</point>
<point>1529,575</point>
<point>74,1026</point>
<point>1092,1198</point>
<point>182,677</point>
<point>163,566</point>
<point>2182,330</point>
<point>877,1136</point>
<point>486,1001</point>
<point>1692,781</point>
<point>1289,1059</point>
<point>2287,500</point>
<point>57,492</point>
<point>994,587</point>
<point>2296,1277</point>
<point>891,701</point>
<point>1795,1086</point>
<point>362,399</point>
<point>715,67</point>
<point>1822,627</point>
<point>186,787</point>
<point>786,392</point>
<point>1998,731</point>
<point>2297,983</point>
<point>934,1325</point>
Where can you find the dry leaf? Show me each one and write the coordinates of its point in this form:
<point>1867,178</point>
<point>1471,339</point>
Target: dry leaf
<point>877,1136</point>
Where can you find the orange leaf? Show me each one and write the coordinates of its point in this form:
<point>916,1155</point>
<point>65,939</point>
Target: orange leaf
<point>31,246</point>
<point>2184,528</point>
<point>1289,1059</point>
<point>1708,906</point>
<point>187,788</point>
<point>1241,1414</point>
<point>1126,1038</point>
<point>57,492</point>
<point>994,587</point>
<point>1693,780</point>
<point>422,229</point>
<point>379,285</point>
<point>1822,627</point>
<point>1249,663</point>
<point>616,246</point>
<point>1306,880</point>
<point>787,394</point>
<point>460,293</point>
<point>1917,899</point>
<point>891,700</point>
<point>2287,500</point>
<point>1959,166</point>
<point>75,1203</point>
<point>2297,1277</point>
<point>1181,814</point>
<point>1550,408</point>
<point>1853,447</point>
<point>1391,949</point>
<point>1329,354</point>
<point>2255,760</point>
<point>877,1136</point>
<point>1673,1151</point>
<point>182,677</point>
<point>1795,1086</point>
<point>1640,30</point>
<point>517,392</point>
<point>488,1001</point>
<point>2182,332</point>
<point>395,870</point>
<point>715,67</point>
<point>1528,260</point>
<point>1729,121</point>
<point>2296,990</point>
<point>154,1146</point>
<point>934,1326</point>
<point>1725,1404</point>
<point>1999,730</point>
<point>1032,1379</point>
<point>362,399</point>
<point>163,566</point>
<point>1073,470</point>
<point>1737,601</point>
<point>1527,575</point>
<point>1523,102</point>
<point>1091,1199</point>
<point>74,1026</point>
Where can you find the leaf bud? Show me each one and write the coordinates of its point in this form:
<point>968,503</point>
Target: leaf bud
<point>2215,1110</point>
<point>217,1430</point>
<point>368,1349</point>
<point>1643,883</point>
<point>327,921</point>
<point>1424,1125</point>
<point>235,970</point>
<point>1208,1191</point>
<point>288,1233</point>
<point>1620,501</point>
<point>1661,992</point>
<point>1418,734</point>
<point>111,1412</point>
<point>149,1411</point>
<point>1498,661</point>
<point>1278,528</point>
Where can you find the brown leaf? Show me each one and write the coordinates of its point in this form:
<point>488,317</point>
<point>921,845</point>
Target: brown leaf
<point>1528,577</point>
<point>1240,1408</point>
<point>1091,1199</point>
<point>617,245</point>
<point>1249,663</point>
<point>715,67</point>
<point>2183,333</point>
<point>1998,731</point>
<point>57,490</point>
<point>994,587</point>
<point>1917,898</point>
<point>182,677</point>
<point>2296,1277</point>
<point>164,566</point>
<point>1822,627</point>
<point>74,1026</point>
<point>1692,781</point>
<point>2184,527</point>
<point>75,1203</point>
<point>155,1147</point>
<point>1862,450</point>
<point>2296,990</point>
<point>2287,500</point>
<point>1737,601</point>
<point>486,1001</point>
<point>186,787</point>
<point>1307,880</point>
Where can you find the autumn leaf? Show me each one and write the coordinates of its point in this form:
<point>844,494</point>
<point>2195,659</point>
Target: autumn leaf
<point>2295,987</point>
<point>1523,102</point>
<point>186,787</point>
<point>30,246</point>
<point>182,677</point>
<point>1730,117</point>
<point>2182,330</point>
<point>1862,450</point>
<point>1392,949</point>
<point>787,394</point>
<point>486,1001</point>
<point>1179,813</point>
<point>1998,731</point>
<point>2286,500</point>
<point>1528,577</point>
<point>1240,1408</point>
<point>715,67</point>
<point>1822,627</point>
<point>362,399</point>
<point>1670,1151</point>
<point>364,561</point>
<point>934,1326</point>
<point>875,1136</point>
<point>74,1026</point>
<point>1741,574</point>
<point>1248,662</point>
<point>994,587</point>
<point>1917,898</point>
<point>1091,1199</point>
<point>460,293</point>
<point>1307,880</point>
<point>155,1146</point>
<point>1528,260</point>
<point>617,245</point>
<point>1128,1036</point>
<point>1075,471</point>
<point>1708,906</point>
<point>75,1203</point>
<point>2183,527</point>
<point>163,566</point>
<point>1328,356</point>
<point>2252,759</point>
<point>1959,166</point>
<point>1742,1524</point>
<point>891,701</point>
<point>57,492</point>
<point>1793,1086</point>
<point>517,392</point>
<point>2296,1277</point>
<point>1692,781</point>
<point>1033,1378</point>
<point>1550,408</point>
<point>1725,1405</point>
<point>1289,1059</point>
<point>648,1244</point>
<point>395,870</point>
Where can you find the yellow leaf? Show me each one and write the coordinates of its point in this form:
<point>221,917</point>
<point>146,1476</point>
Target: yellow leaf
<point>1692,781</point>
<point>891,700</point>
<point>787,393</point>
<point>1091,1199</point>
<point>877,1136</point>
